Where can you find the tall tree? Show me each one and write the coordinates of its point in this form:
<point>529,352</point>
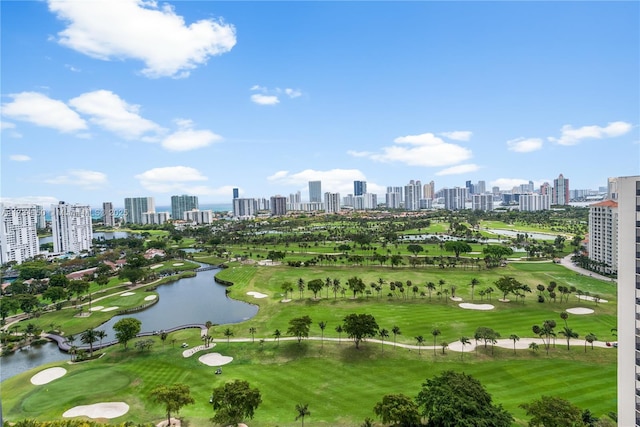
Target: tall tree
<point>457,247</point>
<point>89,337</point>
<point>396,331</point>
<point>359,327</point>
<point>228,333</point>
<point>339,330</point>
<point>383,334</point>
<point>234,402</point>
<point>457,399</point>
<point>299,327</point>
<point>398,409</point>
<point>420,341</point>
<point>464,341</point>
<point>553,411</point>
<point>252,331</point>
<point>514,338</point>
<point>277,334</point>
<point>173,397</point>
<point>302,410</point>
<point>127,329</point>
<point>435,332</point>
<point>322,326</point>
<point>474,282</point>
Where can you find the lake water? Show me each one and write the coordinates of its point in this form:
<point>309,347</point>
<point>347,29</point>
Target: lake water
<point>192,300</point>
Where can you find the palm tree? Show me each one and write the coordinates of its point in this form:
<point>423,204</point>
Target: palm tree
<point>89,337</point>
<point>431,287</point>
<point>444,345</point>
<point>473,284</point>
<point>515,338</point>
<point>339,330</point>
<point>396,331</point>
<point>383,334</point>
<point>252,331</point>
<point>101,335</point>
<point>303,411</point>
<point>72,351</point>
<point>464,341</point>
<point>534,346</point>
<point>435,332</point>
<point>590,338</point>
<point>420,340</point>
<point>322,325</point>
<point>277,334</point>
<point>568,333</point>
<point>228,333</point>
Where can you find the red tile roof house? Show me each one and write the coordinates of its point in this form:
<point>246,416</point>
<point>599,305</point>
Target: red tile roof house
<point>79,275</point>
<point>152,253</point>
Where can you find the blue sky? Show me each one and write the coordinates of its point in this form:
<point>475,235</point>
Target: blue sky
<point>107,100</point>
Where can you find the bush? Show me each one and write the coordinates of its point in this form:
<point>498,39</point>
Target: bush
<point>540,298</point>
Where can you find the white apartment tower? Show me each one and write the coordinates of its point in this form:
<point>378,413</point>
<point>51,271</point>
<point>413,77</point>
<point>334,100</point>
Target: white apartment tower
<point>197,216</point>
<point>18,237</point>
<point>155,218</point>
<point>628,300</point>
<point>412,195</point>
<point>454,198</point>
<point>181,204</point>
<point>315,191</point>
<point>429,190</point>
<point>603,235</point>
<point>108,217</point>
<point>482,202</point>
<point>134,207</point>
<point>332,202</point>
<point>71,227</point>
<point>534,202</point>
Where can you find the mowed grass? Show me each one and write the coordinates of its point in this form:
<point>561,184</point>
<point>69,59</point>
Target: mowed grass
<point>341,384</point>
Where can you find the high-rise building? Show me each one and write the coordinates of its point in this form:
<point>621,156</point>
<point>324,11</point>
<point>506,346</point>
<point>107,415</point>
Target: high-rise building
<point>196,216</point>
<point>412,195</point>
<point>470,188</point>
<point>560,195</point>
<point>546,189</point>
<point>41,217</point>
<point>534,202</point>
<point>315,191</point>
<point>134,207</point>
<point>393,199</point>
<point>628,300</point>
<point>482,202</point>
<point>481,187</point>
<point>332,202</point>
<point>603,235</point>
<point>429,190</point>
<point>18,233</point>
<point>454,198</point>
<point>181,204</point>
<point>71,227</point>
<point>236,193</point>
<point>108,215</point>
<point>612,188</point>
<point>244,208</point>
<point>155,218</point>
<point>359,188</point>
<point>278,205</point>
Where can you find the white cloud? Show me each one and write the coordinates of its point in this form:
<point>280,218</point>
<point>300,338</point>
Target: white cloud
<point>292,93</point>
<point>334,180</point>
<point>571,136</point>
<point>112,113</point>
<point>141,30</point>
<point>260,99</point>
<point>423,150</point>
<point>171,178</point>
<point>189,139</point>
<point>524,145</point>
<point>19,158</point>
<point>459,169</point>
<point>72,68</point>
<point>7,125</point>
<point>39,109</point>
<point>45,201</point>
<point>258,87</point>
<point>80,177</point>
<point>457,135</point>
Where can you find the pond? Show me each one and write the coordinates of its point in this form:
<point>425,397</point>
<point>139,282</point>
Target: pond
<point>191,300</point>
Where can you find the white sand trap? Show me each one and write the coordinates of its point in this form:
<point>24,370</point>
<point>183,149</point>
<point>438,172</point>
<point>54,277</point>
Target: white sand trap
<point>98,410</point>
<point>456,299</point>
<point>48,375</point>
<point>150,297</point>
<point>96,308</point>
<point>153,267</point>
<point>110,309</point>
<point>590,298</point>
<point>257,294</point>
<point>579,310</point>
<point>127,294</point>
<point>286,300</point>
<point>177,264</point>
<point>215,359</point>
<point>470,306</point>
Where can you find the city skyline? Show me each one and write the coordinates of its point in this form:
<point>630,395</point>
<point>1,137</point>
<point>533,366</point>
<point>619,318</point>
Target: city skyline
<point>264,98</point>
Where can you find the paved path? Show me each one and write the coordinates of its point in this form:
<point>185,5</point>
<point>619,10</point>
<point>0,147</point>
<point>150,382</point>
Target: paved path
<point>566,262</point>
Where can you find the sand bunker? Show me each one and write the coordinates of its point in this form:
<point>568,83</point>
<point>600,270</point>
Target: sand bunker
<point>257,294</point>
<point>48,375</point>
<point>150,297</point>
<point>98,410</point>
<point>177,264</point>
<point>215,359</point>
<point>127,294</point>
<point>579,310</point>
<point>286,300</point>
<point>590,298</point>
<point>96,308</point>
<point>110,309</point>
<point>456,299</point>
<point>153,267</point>
<point>470,306</point>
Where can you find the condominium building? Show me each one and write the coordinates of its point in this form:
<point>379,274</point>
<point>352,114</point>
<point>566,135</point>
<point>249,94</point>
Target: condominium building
<point>332,202</point>
<point>603,235</point>
<point>244,208</point>
<point>393,199</point>
<point>612,188</point>
<point>198,217</point>
<point>628,300</point>
<point>18,236</point>
<point>412,195</point>
<point>71,227</point>
<point>236,193</point>
<point>278,205</point>
<point>154,218</point>
<point>429,190</point>
<point>454,198</point>
<point>315,191</point>
<point>134,207</point>
<point>41,217</point>
<point>359,188</point>
<point>560,193</point>
<point>482,202</point>
<point>181,204</point>
<point>534,202</point>
<point>108,215</point>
